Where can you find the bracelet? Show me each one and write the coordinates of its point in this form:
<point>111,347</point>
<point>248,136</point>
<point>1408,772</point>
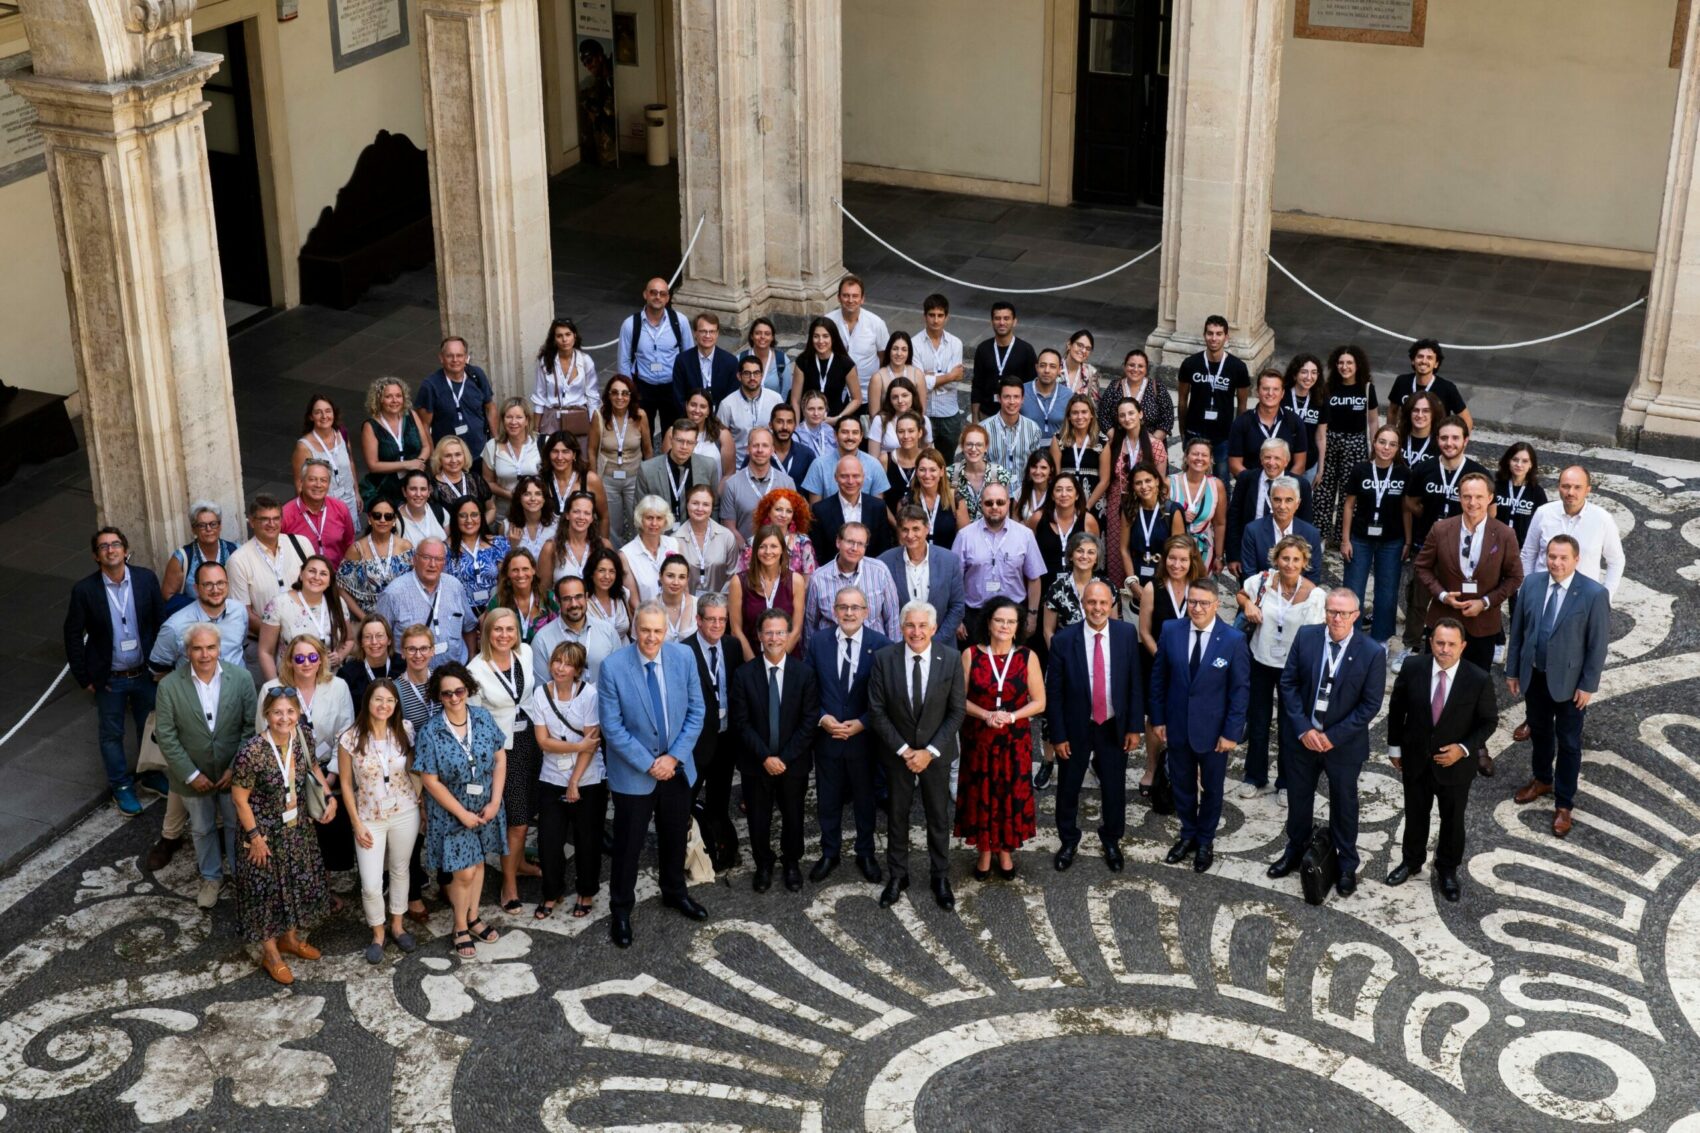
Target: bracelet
<point>249,834</point>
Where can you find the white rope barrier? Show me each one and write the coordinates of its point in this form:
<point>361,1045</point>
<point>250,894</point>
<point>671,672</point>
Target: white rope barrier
<point>677,272</point>
<point>983,286</point>
<point>1308,290</point>
<point>36,707</point>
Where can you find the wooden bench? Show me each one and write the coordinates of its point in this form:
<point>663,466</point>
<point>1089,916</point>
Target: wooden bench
<point>34,427</point>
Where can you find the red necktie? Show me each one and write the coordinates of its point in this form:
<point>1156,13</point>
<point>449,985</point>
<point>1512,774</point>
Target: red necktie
<point>1438,704</point>
<point>1100,694</point>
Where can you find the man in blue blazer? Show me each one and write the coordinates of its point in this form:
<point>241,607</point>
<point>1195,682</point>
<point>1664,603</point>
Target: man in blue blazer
<point>1554,660</point>
<point>119,609</point>
<point>650,705</point>
<point>1249,498</point>
<point>708,367</point>
<point>1331,689</point>
<point>842,658</point>
<point>944,570</point>
<point>1095,707</point>
<point>1200,686</point>
<point>1281,520</point>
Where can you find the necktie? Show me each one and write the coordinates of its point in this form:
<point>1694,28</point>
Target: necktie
<point>1438,704</point>
<point>655,702</point>
<point>773,708</point>
<point>1100,693</point>
<point>844,666</point>
<point>1549,619</point>
<point>915,687</point>
<point>719,683</point>
<point>1197,653</point>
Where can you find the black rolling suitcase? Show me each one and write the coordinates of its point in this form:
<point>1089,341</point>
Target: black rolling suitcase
<point>1319,869</point>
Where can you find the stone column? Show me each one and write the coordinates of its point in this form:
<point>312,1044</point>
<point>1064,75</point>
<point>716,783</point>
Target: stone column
<point>483,84</point>
<point>760,155</point>
<point>1662,411</point>
<point>118,92</point>
<point>1224,81</point>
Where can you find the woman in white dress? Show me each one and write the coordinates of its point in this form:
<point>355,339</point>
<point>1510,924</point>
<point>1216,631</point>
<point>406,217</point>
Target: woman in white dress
<point>644,555</point>
<point>506,680</point>
<point>514,455</point>
<point>323,436</point>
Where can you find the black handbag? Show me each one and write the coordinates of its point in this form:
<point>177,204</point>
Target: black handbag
<point>1162,792</point>
<point>1319,869</point>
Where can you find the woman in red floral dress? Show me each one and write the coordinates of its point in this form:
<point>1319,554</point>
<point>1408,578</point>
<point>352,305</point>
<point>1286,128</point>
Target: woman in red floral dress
<point>994,794</point>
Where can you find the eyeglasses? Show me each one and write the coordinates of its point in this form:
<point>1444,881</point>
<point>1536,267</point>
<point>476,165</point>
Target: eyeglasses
<point>416,649</point>
<point>451,693</point>
<point>848,608</point>
<point>208,524</point>
<point>304,658</point>
<point>418,558</point>
<point>1342,613</point>
<point>109,545</point>
<point>1201,603</point>
<point>269,518</point>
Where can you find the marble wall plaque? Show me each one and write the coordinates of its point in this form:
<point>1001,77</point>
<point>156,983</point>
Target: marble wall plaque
<point>366,29</point>
<point>1396,23</point>
<point>22,147</point>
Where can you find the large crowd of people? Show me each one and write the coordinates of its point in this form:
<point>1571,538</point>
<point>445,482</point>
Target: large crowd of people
<point>712,578</point>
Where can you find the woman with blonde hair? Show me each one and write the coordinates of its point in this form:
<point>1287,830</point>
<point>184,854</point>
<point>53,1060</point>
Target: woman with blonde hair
<point>452,477</point>
<point>393,440</point>
<point>326,710</point>
<point>504,679</point>
<point>513,454</point>
<point>1276,602</point>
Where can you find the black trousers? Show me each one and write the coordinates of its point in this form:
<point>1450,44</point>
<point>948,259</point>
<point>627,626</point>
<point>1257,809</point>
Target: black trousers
<point>660,403</point>
<point>1307,767</point>
<point>716,761</point>
<point>1102,750</point>
<point>847,770</point>
<point>1421,793</point>
<point>934,786</point>
<point>762,792</point>
<point>581,822</point>
<point>670,805</point>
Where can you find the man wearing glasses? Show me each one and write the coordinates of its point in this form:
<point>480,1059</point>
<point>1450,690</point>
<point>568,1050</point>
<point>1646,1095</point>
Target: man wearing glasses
<point>852,567</point>
<point>650,343</point>
<point>1000,559</point>
<point>430,598</point>
<point>1330,691</point>
<point>843,660</point>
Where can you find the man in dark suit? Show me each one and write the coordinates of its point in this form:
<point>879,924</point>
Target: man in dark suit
<point>1554,660</point>
<point>119,609</point>
<point>1280,521</point>
<point>917,698</point>
<point>1331,689</point>
<point>1249,499</point>
<point>1200,687</point>
<point>846,505</point>
<point>716,761</point>
<point>915,558</point>
<point>842,658</point>
<point>708,368</point>
<point>1095,712</point>
<point>1443,709</point>
<point>671,474</point>
<point>775,702</point>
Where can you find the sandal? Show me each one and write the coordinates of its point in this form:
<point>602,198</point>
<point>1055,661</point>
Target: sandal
<point>463,946</point>
<point>583,910</point>
<point>477,929</point>
<point>513,907</point>
<point>544,911</point>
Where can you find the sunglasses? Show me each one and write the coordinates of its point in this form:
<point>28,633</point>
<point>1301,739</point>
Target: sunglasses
<point>304,658</point>
<point>451,694</point>
<point>382,516</point>
<point>287,693</point>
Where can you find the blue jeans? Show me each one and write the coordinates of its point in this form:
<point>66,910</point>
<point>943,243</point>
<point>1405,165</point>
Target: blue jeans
<point>1383,556</point>
<point>204,812</point>
<point>1220,448</point>
<point>135,693</point>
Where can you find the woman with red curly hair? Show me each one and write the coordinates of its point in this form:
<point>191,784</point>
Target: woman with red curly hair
<point>788,511</point>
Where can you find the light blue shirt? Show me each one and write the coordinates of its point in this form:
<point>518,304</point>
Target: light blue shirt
<point>404,603</point>
<point>169,652</point>
<point>1047,413</point>
<point>822,477</point>
<point>657,349</point>
<point>126,626</point>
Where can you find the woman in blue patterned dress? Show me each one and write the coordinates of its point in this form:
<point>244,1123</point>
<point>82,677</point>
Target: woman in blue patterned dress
<point>459,755</point>
<point>475,556</point>
<point>376,560</point>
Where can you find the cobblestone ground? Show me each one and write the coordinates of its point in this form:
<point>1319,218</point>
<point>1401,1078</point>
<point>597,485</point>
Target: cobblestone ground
<point>1563,992</point>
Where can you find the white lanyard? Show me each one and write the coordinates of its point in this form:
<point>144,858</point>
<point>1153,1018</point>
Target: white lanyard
<point>395,433</point>
<point>1268,431</point>
<point>435,595</point>
<point>576,561</point>
<point>370,675</point>
<point>702,551</point>
<point>1448,487</point>
<point>372,548</point>
<point>1146,528</point>
<point>771,591</point>
<point>321,614</point>
<point>465,744</point>
<point>1001,362</point>
<point>559,374</point>
<point>560,499</point>
<point>998,674</point>
<point>457,390</point>
<point>1412,455</point>
<point>1284,604</point>
<point>899,474</point>
<point>1062,536</point>
<point>678,485</point>
<point>1044,406</point>
<point>1301,410</point>
<point>1192,499</point>
<point>318,529</point>
<point>1178,603</point>
<point>1325,674</point>
<point>515,453</point>
<point>121,605</point>
<point>823,366</point>
<point>932,512</point>
<point>1035,506</point>
<point>285,770</point>
<point>1008,433</point>
<point>1380,486</point>
<point>1515,495</point>
<point>524,620</point>
<point>1139,394</point>
<point>275,559</point>
<point>329,451</point>
<point>620,430</point>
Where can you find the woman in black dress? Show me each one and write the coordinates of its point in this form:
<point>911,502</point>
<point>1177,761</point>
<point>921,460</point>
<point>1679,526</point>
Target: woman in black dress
<point>1056,522</point>
<point>826,366</point>
<point>1149,518</point>
<point>1075,449</point>
<point>930,491</point>
<point>1161,600</point>
<point>1517,490</point>
<point>1342,439</point>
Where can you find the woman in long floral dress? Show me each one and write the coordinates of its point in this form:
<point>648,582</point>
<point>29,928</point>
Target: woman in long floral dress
<point>994,795</point>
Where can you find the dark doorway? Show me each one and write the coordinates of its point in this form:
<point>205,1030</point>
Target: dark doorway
<point>233,163</point>
<point>1121,101</point>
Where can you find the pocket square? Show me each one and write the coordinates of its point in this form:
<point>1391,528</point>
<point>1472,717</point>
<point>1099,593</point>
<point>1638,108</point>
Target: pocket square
<point>1219,663</point>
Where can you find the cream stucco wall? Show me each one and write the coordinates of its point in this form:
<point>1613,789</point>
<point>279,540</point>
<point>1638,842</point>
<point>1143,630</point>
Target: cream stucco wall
<point>1546,120</point>
<point>35,334</point>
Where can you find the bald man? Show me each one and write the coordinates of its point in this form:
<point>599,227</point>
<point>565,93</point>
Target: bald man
<point>650,344</point>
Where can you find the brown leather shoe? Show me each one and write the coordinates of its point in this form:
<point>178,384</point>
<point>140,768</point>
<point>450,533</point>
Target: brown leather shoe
<point>1521,732</point>
<point>295,946</point>
<point>278,971</point>
<point>1561,821</point>
<point>419,916</point>
<point>1533,790</point>
<point>162,852</point>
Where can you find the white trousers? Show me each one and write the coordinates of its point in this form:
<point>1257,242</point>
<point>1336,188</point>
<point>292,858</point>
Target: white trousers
<point>392,849</point>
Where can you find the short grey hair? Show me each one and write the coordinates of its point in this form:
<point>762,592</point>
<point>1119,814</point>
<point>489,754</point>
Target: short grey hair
<point>916,606</point>
<point>652,606</point>
<point>652,505</point>
<point>196,629</point>
<point>1347,592</point>
<point>1289,483</point>
<point>318,462</point>
<point>1275,444</point>
<point>442,544</point>
<point>199,506</point>
<point>710,601</point>
<point>1074,542</point>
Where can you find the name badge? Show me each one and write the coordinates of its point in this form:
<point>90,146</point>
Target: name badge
<point>1321,705</point>
<point>129,643</point>
<point>1374,532</point>
<point>1146,570</point>
<point>1468,586</point>
<point>481,595</point>
<point>440,648</point>
<point>993,584</point>
<point>1210,415</point>
<point>460,430</point>
<point>475,788</point>
<point>289,816</point>
<point>618,474</point>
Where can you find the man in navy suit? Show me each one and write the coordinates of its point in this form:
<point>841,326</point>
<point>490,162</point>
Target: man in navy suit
<point>842,659</point>
<point>119,609</point>
<point>851,504</point>
<point>1249,500</point>
<point>1281,520</point>
<point>1200,687</point>
<point>1096,712</point>
<point>1331,689</point>
<point>1554,661</point>
<point>708,368</point>
<point>650,705</point>
<point>925,572</point>
<point>774,701</point>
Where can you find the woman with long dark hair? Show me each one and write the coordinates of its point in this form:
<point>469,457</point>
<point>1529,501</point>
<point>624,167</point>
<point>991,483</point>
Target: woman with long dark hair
<point>374,759</point>
<point>620,438</point>
<point>1149,520</point>
<point>1349,422</point>
<point>564,473</point>
<point>1128,447</point>
<point>608,602</point>
<point>475,555</point>
<point>761,343</point>
<point>825,366</point>
<point>564,394</point>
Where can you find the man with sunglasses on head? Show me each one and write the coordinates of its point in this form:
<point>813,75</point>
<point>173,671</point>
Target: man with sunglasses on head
<point>434,599</point>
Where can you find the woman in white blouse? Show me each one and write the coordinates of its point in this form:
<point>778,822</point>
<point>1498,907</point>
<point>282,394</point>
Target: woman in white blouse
<point>313,604</point>
<point>327,711</point>
<point>513,455</point>
<point>573,796</point>
<point>503,672</point>
<point>565,392</point>
<point>644,555</point>
<point>1276,602</point>
<point>374,758</point>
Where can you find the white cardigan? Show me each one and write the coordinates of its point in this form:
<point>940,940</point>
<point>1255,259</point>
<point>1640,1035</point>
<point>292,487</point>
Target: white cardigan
<point>493,695</point>
<point>331,715</point>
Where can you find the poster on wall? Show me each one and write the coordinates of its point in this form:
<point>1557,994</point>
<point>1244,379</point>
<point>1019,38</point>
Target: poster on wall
<point>599,127</point>
<point>366,29</point>
<point>1392,23</point>
<point>22,149</point>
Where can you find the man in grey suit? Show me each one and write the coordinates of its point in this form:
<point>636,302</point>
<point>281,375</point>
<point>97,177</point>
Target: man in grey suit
<point>205,712</point>
<point>1554,661</point>
<point>916,701</point>
<point>924,572</point>
<point>673,473</point>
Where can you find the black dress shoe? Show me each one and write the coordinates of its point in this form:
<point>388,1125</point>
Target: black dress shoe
<point>620,930</point>
<point>869,867</point>
<point>1042,777</point>
<point>1065,856</point>
<point>824,867</point>
<point>1449,886</point>
<point>763,880</point>
<point>1180,851</point>
<point>1282,866</point>
<point>1205,859</point>
<point>942,893</point>
<point>1484,764</point>
<point>982,874</point>
<point>1113,857</point>
<point>794,877</point>
<point>1347,885</point>
<point>687,907</point>
<point>1007,874</point>
<point>893,890</point>
<point>1402,873</point>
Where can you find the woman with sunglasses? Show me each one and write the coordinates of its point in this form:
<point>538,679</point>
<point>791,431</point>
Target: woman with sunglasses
<point>460,757</point>
<point>312,605</point>
<point>281,888</point>
<point>374,659</point>
<point>474,555</point>
<point>374,761</point>
<point>620,438</point>
<point>505,680</point>
<point>327,710</point>
<point>564,476</point>
<point>377,559</point>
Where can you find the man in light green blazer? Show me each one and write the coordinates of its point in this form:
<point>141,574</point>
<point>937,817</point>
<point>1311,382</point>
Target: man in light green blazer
<point>205,712</point>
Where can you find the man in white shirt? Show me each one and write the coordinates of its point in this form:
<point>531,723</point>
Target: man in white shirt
<point>266,565</point>
<point>864,333</point>
<point>749,408</point>
<point>1589,524</point>
<point>939,354</point>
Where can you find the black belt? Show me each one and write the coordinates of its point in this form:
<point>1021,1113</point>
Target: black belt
<point>119,674</point>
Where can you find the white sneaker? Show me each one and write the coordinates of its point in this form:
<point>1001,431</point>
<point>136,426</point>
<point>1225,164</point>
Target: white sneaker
<point>207,896</point>
<point>1246,791</point>
<point>1281,798</point>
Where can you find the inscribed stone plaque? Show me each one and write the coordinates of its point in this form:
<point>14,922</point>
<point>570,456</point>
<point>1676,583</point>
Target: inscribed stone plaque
<point>366,29</point>
<point>21,145</point>
<point>1396,23</point>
